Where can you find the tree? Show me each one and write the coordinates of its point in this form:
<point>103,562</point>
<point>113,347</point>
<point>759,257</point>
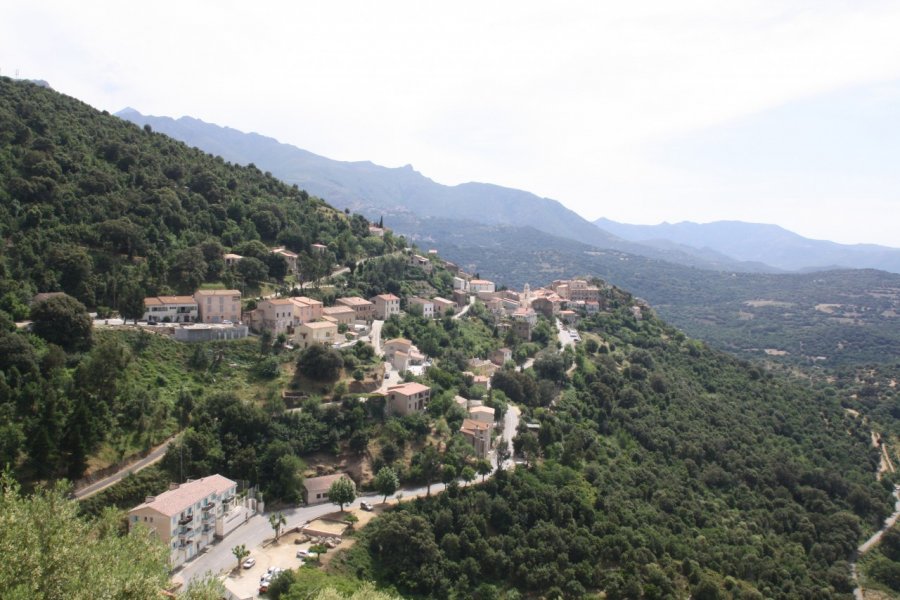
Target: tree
<point>527,446</point>
<point>430,464</point>
<point>320,363</point>
<point>277,521</point>
<point>252,271</point>
<point>448,474</point>
<point>386,482</point>
<point>188,269</point>
<point>467,474</point>
<point>318,550</point>
<point>342,492</point>
<point>281,584</point>
<point>64,321</point>
<point>49,552</point>
<point>483,467</point>
<point>240,553</point>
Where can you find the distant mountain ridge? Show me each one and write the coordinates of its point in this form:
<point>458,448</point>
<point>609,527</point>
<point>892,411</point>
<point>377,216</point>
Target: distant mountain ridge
<point>377,191</point>
<point>769,244</point>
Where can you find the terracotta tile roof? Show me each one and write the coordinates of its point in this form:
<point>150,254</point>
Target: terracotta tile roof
<point>324,482</point>
<point>284,252</point>
<point>175,501</point>
<point>408,389</point>
<point>387,297</point>
<point>353,301</point>
<point>305,300</point>
<point>163,300</point>
<point>472,425</point>
<point>318,325</point>
<point>217,293</point>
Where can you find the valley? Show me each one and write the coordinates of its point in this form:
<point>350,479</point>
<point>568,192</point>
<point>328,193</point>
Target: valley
<point>667,431</point>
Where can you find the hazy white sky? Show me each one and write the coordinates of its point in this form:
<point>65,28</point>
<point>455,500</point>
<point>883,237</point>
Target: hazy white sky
<point>769,111</point>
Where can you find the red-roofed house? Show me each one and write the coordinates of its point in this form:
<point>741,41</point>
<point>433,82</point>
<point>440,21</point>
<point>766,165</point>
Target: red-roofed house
<point>188,516</point>
<point>170,309</point>
<point>365,310</point>
<point>386,305</point>
<point>407,398</point>
<point>478,434</point>
<point>317,487</point>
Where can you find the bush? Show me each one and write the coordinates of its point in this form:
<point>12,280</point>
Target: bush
<point>320,363</point>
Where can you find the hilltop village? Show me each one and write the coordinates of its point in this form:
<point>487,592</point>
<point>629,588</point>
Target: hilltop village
<point>192,516</point>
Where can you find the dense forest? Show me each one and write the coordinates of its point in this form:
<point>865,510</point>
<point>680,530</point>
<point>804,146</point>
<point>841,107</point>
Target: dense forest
<point>109,213</point>
<point>662,468</point>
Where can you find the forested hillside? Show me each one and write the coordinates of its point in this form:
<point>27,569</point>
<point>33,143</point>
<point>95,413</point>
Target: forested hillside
<point>662,469</point>
<point>108,212</point>
<point>828,318</point>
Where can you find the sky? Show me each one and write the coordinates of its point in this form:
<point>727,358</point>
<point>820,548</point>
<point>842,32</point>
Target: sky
<point>641,112</point>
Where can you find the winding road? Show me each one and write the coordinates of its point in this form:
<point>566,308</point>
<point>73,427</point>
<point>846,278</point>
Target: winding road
<point>154,456</point>
<point>218,558</point>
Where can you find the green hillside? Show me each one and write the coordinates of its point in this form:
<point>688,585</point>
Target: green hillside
<point>663,469</point>
<point>829,318</point>
<point>109,212</point>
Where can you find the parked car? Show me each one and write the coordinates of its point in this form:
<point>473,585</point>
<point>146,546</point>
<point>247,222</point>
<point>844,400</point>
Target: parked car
<point>366,506</point>
<point>306,554</point>
<point>249,563</point>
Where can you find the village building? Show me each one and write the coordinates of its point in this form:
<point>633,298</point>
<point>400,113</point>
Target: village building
<point>407,398</point>
<point>479,435</point>
<point>481,285</point>
<point>427,306</point>
<point>442,305</point>
<point>232,259</point>
<point>290,258</point>
<point>317,332</point>
<point>460,283</point>
<point>342,315</point>
<point>420,262</point>
<point>386,305</point>
<point>318,248</point>
<point>401,354</point>
<point>306,309</point>
<point>275,315</point>
<point>316,488</point>
<point>170,309</point>
<point>365,310</point>
<point>218,306</point>
<point>460,297</point>
<point>188,517</point>
<point>500,356</point>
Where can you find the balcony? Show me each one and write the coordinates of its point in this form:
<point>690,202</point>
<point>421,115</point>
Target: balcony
<point>208,506</point>
<point>185,532</point>
<point>185,520</point>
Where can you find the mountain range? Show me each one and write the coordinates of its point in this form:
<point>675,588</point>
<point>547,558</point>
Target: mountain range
<point>757,242</point>
<point>377,191</point>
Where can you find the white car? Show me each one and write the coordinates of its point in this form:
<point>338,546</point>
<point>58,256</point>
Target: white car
<point>249,563</point>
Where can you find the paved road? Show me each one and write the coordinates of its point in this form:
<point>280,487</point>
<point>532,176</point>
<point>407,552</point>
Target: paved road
<point>465,308</point>
<point>218,557</point>
<point>375,336</point>
<point>565,338</point>
<point>525,365</point>
<point>134,467</point>
<point>510,425</point>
